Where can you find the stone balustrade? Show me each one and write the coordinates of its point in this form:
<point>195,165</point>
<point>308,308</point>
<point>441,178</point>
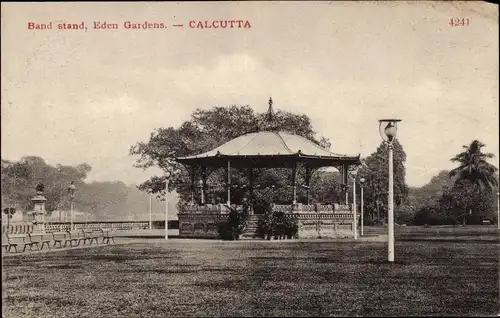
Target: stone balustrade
<point>23,228</point>
<point>207,208</point>
<point>314,220</point>
<point>285,208</point>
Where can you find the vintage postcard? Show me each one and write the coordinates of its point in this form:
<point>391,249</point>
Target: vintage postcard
<point>247,158</point>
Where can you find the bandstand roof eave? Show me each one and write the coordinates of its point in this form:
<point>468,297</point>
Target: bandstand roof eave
<point>273,160</point>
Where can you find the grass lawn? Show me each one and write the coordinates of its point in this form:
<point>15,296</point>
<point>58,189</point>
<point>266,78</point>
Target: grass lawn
<point>256,278</point>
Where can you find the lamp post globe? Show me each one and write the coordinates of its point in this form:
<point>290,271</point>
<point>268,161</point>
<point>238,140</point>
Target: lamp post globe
<point>388,129</point>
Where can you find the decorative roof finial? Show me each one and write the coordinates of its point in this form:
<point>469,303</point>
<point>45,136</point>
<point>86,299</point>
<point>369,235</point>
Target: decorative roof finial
<point>270,112</point>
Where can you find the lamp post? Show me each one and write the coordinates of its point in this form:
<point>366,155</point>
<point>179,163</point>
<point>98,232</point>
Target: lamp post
<point>150,211</point>
<point>362,184</point>
<point>498,210</point>
<point>388,134</point>
<point>71,191</point>
<point>167,176</point>
<point>354,173</point>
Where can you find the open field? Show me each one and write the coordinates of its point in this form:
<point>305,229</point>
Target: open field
<point>151,277</point>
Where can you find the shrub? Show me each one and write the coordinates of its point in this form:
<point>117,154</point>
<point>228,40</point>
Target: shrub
<point>278,224</point>
<point>233,227</point>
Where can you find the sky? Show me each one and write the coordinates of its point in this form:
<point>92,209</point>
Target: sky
<point>75,96</point>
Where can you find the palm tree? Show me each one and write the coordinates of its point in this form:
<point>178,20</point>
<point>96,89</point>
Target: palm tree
<point>474,167</point>
<point>474,170</point>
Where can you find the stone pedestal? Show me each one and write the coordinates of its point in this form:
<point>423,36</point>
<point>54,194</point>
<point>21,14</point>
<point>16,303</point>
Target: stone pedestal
<point>38,213</point>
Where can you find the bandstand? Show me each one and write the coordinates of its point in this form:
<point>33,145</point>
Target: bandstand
<point>268,148</point>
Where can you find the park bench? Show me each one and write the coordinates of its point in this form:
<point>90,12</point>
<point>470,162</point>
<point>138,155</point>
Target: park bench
<point>76,236</point>
<point>16,240</point>
<point>59,237</point>
<point>39,240</point>
<point>91,236</point>
<point>5,242</point>
<point>106,236</point>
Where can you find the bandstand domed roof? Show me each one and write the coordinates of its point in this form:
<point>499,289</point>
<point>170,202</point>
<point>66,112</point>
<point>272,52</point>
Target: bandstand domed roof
<point>268,144</point>
<point>269,148</point>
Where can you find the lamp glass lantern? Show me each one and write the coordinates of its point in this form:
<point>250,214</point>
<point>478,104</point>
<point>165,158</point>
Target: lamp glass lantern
<point>388,129</point>
<point>354,173</point>
<point>72,190</point>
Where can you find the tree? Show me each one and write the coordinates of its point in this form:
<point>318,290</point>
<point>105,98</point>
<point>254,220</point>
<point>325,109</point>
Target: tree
<point>205,130</point>
<point>325,187</point>
<point>464,202</point>
<point>475,180</point>
<point>473,166</point>
<point>19,181</point>
<point>375,170</point>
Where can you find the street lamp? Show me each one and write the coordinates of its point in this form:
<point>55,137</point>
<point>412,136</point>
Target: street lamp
<point>71,191</point>
<point>167,176</point>
<point>150,211</point>
<point>362,185</point>
<point>354,173</point>
<point>498,210</point>
<point>388,129</point>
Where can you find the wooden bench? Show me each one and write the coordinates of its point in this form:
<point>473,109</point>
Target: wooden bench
<point>76,236</point>
<point>91,235</point>
<point>5,242</point>
<point>16,240</point>
<point>38,239</point>
<point>59,237</point>
<point>106,236</point>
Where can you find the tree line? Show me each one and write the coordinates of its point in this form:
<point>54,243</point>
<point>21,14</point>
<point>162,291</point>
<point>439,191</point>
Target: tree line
<point>467,196</point>
<point>101,200</point>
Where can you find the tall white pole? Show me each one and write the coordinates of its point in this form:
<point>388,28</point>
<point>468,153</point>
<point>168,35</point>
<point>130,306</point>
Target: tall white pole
<point>355,226</point>
<point>166,209</point>
<point>71,216</point>
<point>150,227</point>
<point>362,210</point>
<point>498,210</point>
<point>391,208</point>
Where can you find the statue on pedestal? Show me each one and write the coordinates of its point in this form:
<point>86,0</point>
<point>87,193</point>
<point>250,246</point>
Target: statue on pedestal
<point>39,209</point>
<point>40,188</point>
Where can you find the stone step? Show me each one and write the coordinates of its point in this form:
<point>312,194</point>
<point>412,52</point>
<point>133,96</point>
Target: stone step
<point>252,226</point>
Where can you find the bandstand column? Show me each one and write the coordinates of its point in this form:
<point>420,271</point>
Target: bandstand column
<point>345,180</point>
<point>203,184</point>
<point>308,182</point>
<point>229,183</point>
<point>250,187</point>
<point>192,185</point>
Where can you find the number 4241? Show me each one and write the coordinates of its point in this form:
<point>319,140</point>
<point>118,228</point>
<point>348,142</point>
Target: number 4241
<point>457,22</point>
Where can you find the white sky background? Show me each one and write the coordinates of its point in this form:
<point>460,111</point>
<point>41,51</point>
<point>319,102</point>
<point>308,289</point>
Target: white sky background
<point>73,97</point>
